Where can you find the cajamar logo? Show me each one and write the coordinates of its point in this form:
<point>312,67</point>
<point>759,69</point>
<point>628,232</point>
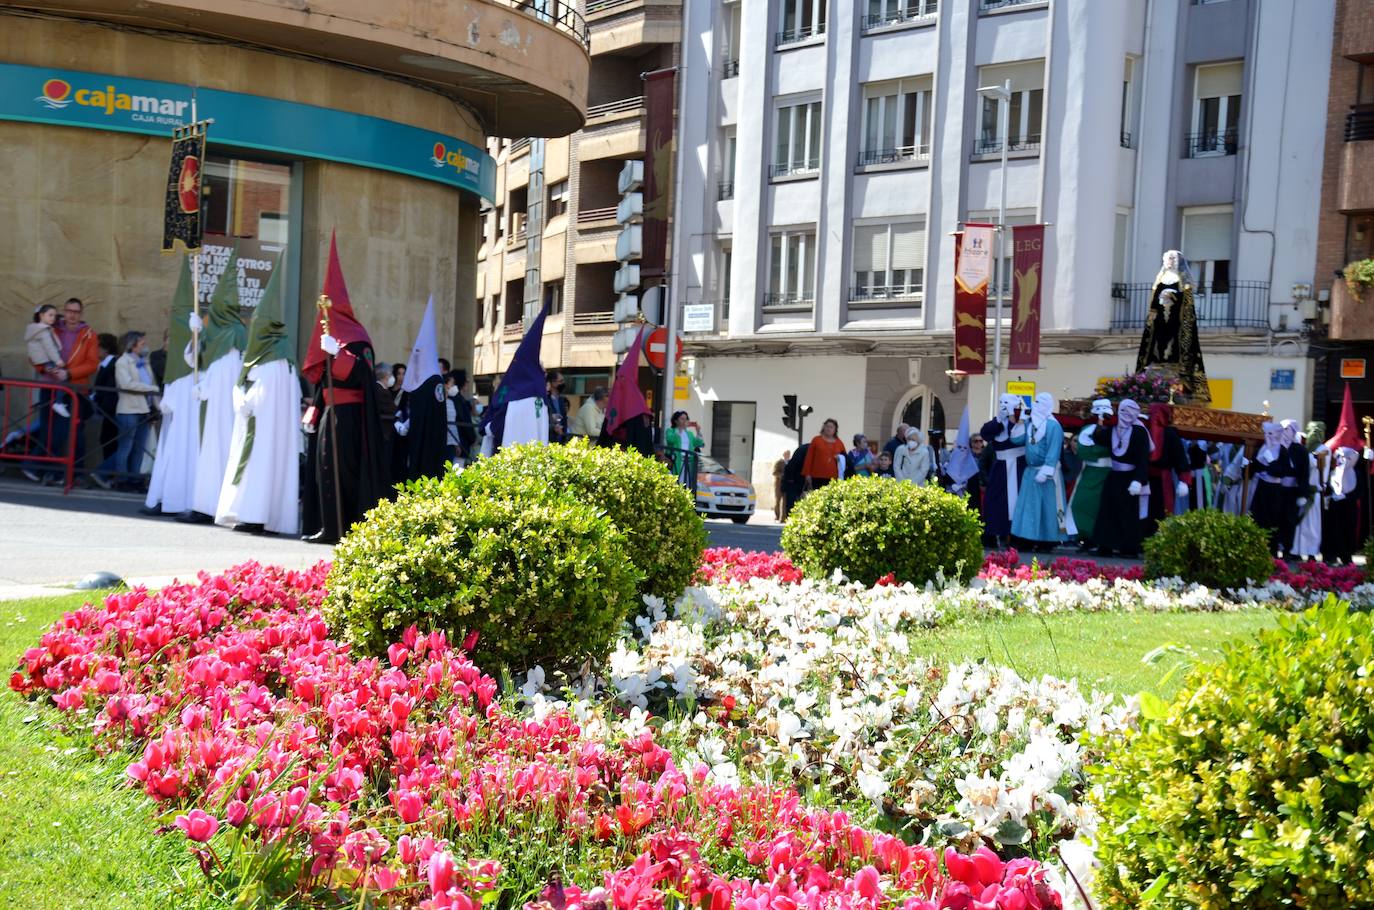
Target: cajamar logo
<point>57,94</point>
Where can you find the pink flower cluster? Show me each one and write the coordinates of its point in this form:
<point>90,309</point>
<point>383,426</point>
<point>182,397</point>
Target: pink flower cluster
<point>1004,565</point>
<point>722,564</point>
<point>394,775</point>
<point>1318,576</point>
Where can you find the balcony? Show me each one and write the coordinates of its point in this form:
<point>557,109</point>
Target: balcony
<point>992,145</point>
<point>725,190</point>
<point>878,297</point>
<point>918,154</point>
<point>595,322</point>
<point>1356,188</point>
<point>1210,144</point>
<point>809,168</point>
<point>615,129</point>
<point>596,217</point>
<point>730,70</point>
<point>1239,305</point>
<point>1127,140</point>
<point>798,33</point>
<point>624,27</point>
<point>903,12</point>
<point>1359,125</point>
<point>988,6</point>
<point>521,65</point>
<point>788,303</point>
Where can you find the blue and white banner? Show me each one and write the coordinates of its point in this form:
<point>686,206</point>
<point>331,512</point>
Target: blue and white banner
<point>117,103</point>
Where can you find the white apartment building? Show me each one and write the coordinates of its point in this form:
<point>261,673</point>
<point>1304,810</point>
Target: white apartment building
<point>828,150</point>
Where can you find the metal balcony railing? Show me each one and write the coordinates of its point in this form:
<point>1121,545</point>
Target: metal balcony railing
<point>1359,125</point>
<point>792,168</point>
<point>730,70</point>
<point>558,13</point>
<point>886,295</point>
<point>623,106</point>
<point>598,320</point>
<point>513,329</point>
<point>891,155</point>
<point>600,6</point>
<point>592,216</point>
<point>992,145</point>
<point>906,11</point>
<point>519,146</point>
<point>1210,143</point>
<point>1127,140</point>
<point>773,301</point>
<point>725,190</point>
<point>797,33</point>
<point>1234,305</point>
<point>985,5</point>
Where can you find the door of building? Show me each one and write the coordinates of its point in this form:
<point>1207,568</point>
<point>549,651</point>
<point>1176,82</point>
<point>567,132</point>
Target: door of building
<point>732,435</point>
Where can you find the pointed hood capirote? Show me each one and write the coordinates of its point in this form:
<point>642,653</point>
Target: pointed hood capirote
<point>343,324</point>
<point>424,356</point>
<point>178,328</point>
<point>523,379</point>
<point>223,330</point>
<point>626,400</point>
<point>1346,436</point>
<point>268,336</point>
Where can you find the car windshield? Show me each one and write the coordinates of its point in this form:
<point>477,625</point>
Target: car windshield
<point>709,465</point>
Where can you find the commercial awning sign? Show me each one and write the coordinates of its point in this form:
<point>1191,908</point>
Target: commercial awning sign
<point>120,104</point>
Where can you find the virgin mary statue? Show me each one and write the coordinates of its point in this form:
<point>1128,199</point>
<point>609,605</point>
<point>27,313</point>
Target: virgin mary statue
<point>1170,342</point>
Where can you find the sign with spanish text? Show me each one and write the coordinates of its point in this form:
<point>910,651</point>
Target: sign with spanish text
<point>121,104</point>
<point>256,261</point>
<point>1028,245</point>
<point>972,266</point>
<point>699,317</point>
<point>1282,380</point>
<point>1025,390</point>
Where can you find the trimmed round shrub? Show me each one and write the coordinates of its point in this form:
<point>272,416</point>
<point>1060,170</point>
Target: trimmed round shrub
<point>542,580</point>
<point>664,535</point>
<point>1211,548</point>
<point>1252,788</point>
<point>869,527</point>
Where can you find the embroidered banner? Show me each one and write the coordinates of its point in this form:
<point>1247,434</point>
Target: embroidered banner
<point>181,220</point>
<point>1028,245</point>
<point>972,265</point>
<point>658,172</point>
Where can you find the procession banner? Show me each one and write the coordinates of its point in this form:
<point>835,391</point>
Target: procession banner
<point>972,266</point>
<point>1028,244</point>
<point>658,171</point>
<point>181,217</point>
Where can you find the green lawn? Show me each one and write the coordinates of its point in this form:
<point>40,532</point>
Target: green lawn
<point>1101,650</point>
<point>73,836</point>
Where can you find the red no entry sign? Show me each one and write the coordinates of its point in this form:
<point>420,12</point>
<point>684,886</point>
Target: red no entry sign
<point>656,348</point>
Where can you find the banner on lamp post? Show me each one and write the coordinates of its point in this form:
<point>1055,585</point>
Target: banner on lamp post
<point>658,170</point>
<point>1028,244</point>
<point>972,267</point>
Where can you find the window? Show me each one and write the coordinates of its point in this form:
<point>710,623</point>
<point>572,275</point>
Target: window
<point>1364,86</point>
<point>727,166</point>
<point>889,262</point>
<point>1127,114</point>
<point>553,296</point>
<point>1026,111</point>
<point>730,50</point>
<point>798,139</point>
<point>801,19</point>
<point>500,223</point>
<point>792,269</point>
<point>1119,243</point>
<point>890,12</point>
<point>517,213</point>
<point>1216,110</point>
<point>1207,233</point>
<point>896,121</point>
<point>246,205</point>
<point>1359,237</point>
<point>558,198</point>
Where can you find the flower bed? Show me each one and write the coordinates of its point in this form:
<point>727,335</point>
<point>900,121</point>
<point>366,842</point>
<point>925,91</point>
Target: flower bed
<point>299,770</point>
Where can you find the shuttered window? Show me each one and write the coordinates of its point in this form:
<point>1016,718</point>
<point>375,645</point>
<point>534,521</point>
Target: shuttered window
<point>889,262</point>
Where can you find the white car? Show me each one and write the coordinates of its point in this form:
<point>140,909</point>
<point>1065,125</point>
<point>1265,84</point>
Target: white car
<point>721,494</point>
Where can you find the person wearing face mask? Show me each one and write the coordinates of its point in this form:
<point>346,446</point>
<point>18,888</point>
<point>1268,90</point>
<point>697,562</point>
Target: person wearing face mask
<point>1042,518</point>
<point>1273,501</point>
<point>558,406</point>
<point>1295,483</point>
<point>1118,528</point>
<point>386,416</point>
<point>1006,460</point>
<point>1307,535</point>
<point>914,461</point>
<point>423,428</point>
<point>1094,451</point>
<point>462,434</point>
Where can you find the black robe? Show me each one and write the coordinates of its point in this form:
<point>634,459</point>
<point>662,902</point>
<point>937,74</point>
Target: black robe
<point>1170,340</point>
<point>427,441</point>
<point>362,473</point>
<point>636,433</point>
<point>1343,519</point>
<point>1274,506</point>
<point>1118,526</point>
<point>1168,467</point>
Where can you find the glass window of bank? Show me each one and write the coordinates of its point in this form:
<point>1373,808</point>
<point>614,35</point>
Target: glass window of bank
<point>253,203</point>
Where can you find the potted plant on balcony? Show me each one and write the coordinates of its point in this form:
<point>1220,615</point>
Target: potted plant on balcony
<point>1359,276</point>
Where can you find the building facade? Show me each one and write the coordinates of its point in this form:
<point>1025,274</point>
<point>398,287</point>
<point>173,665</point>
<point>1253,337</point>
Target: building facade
<point>550,235</point>
<point>361,119</point>
<point>840,145</point>
<point>1346,232</point>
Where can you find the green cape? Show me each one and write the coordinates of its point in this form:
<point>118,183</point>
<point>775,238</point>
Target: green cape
<point>268,337</point>
<point>224,330</point>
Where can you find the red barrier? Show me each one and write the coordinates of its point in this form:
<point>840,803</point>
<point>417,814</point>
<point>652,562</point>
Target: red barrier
<point>29,426</point>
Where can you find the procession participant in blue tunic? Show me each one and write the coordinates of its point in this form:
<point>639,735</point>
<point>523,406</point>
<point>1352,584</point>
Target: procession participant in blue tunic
<point>1006,459</point>
<point>1042,518</point>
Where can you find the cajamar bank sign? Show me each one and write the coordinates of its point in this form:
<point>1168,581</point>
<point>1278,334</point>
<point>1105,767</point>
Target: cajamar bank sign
<point>110,101</point>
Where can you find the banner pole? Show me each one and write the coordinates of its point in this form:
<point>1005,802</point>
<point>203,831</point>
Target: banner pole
<point>195,265</point>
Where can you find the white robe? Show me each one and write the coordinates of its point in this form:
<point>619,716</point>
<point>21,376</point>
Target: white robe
<point>268,491</point>
<point>217,389</point>
<point>1307,539</point>
<point>178,444</point>
<point>527,420</point>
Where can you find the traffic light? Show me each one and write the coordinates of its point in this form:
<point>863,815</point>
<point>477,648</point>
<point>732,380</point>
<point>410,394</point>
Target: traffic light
<point>789,411</point>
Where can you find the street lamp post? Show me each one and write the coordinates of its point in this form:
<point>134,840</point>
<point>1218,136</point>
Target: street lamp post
<point>1003,95</point>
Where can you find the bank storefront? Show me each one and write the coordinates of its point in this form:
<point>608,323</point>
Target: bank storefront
<point>88,153</point>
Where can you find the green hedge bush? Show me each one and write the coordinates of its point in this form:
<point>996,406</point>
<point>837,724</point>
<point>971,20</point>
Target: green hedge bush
<point>1254,788</point>
<point>542,579</point>
<point>868,527</point>
<point>1369,558</point>
<point>657,515</point>
<point>1211,548</point>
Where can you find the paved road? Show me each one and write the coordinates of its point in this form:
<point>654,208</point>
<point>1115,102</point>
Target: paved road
<point>49,541</point>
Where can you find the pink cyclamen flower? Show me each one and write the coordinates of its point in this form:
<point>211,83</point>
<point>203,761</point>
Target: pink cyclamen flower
<point>197,825</point>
